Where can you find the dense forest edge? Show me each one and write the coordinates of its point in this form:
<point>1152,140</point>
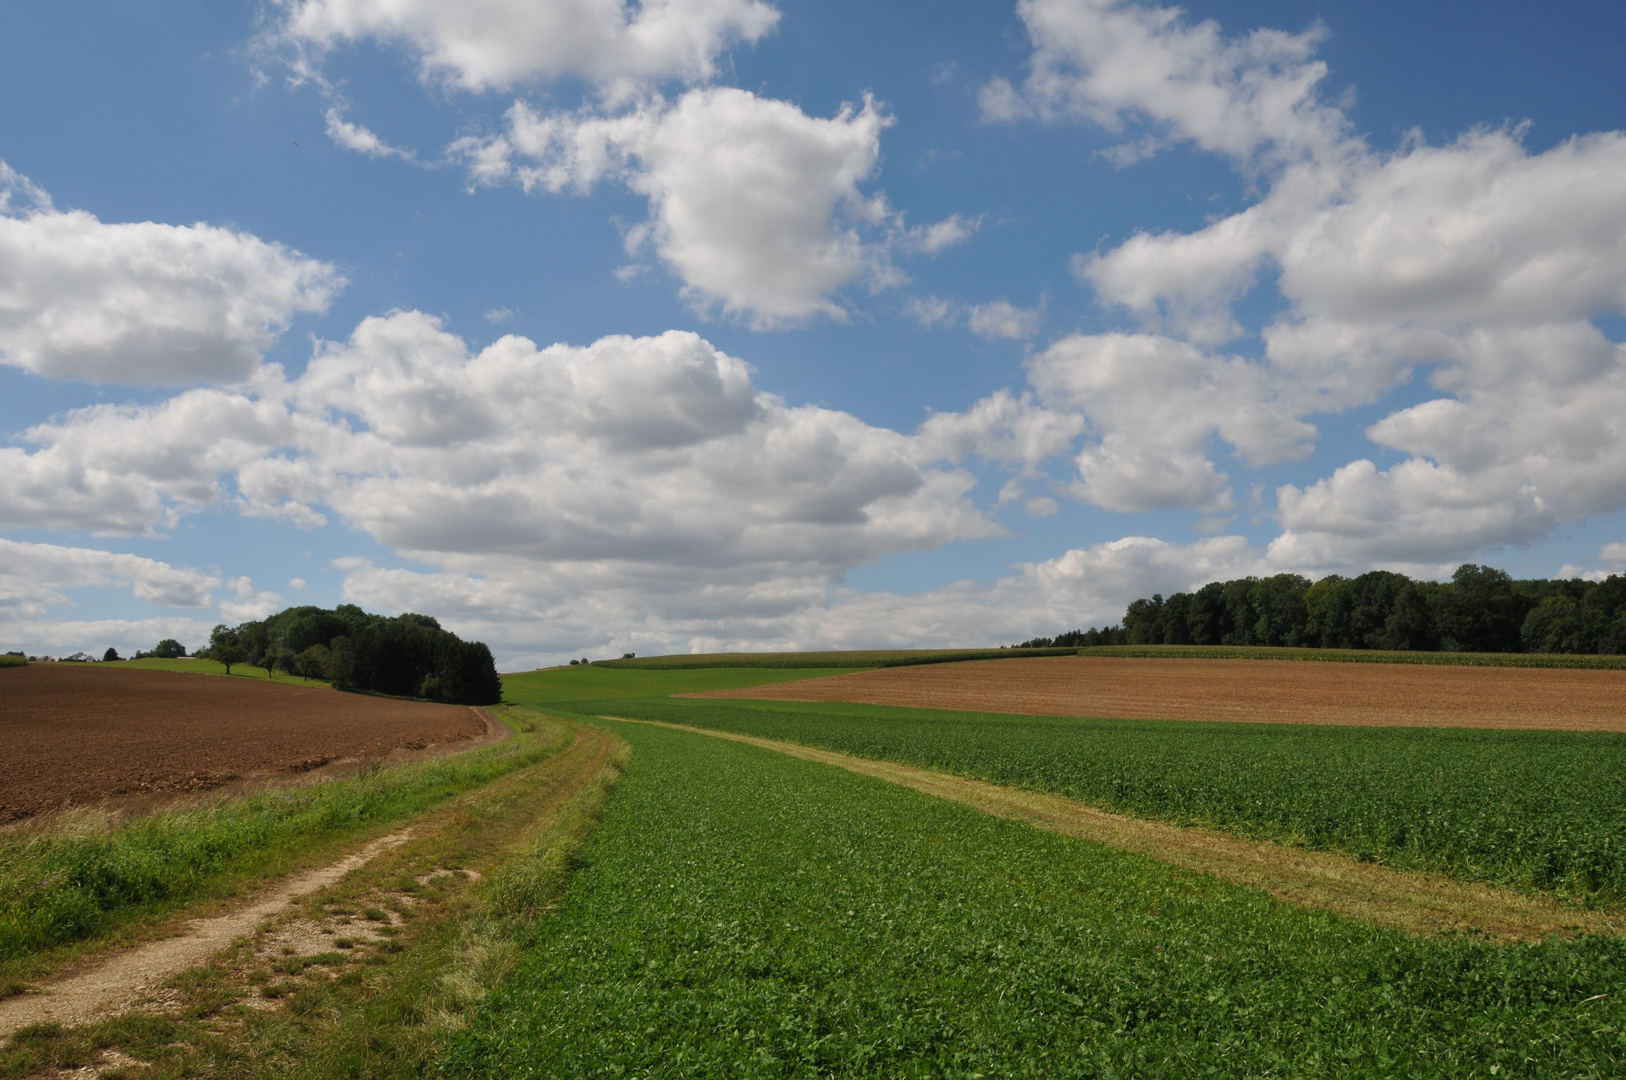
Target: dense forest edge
<point>402,656</point>
<point>1480,610</point>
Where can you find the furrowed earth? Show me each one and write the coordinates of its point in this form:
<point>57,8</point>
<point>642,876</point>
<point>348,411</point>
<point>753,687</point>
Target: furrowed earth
<point>78,734</point>
<point>1257,691</point>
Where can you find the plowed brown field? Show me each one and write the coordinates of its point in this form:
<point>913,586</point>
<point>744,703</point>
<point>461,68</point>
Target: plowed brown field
<point>73,734</point>
<point>1265,691</point>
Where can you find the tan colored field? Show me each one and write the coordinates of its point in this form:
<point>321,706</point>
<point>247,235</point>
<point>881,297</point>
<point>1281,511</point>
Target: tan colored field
<point>1265,691</point>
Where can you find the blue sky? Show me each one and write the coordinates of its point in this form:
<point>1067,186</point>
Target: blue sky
<point>594,328</point>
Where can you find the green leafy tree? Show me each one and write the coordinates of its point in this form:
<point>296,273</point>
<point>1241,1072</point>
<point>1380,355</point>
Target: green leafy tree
<point>311,662</point>
<point>1411,625</point>
<point>169,649</point>
<point>110,655</point>
<point>224,647</point>
<point>1480,611</point>
<point>1282,615</point>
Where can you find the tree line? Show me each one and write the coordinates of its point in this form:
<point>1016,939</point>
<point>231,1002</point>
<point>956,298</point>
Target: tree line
<point>405,655</point>
<point>1481,609</point>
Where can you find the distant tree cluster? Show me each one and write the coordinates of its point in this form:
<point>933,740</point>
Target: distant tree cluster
<point>1481,609</point>
<point>407,655</point>
<point>1107,635</point>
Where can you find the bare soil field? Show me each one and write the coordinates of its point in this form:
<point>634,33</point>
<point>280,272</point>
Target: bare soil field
<point>73,734</point>
<point>1262,691</point>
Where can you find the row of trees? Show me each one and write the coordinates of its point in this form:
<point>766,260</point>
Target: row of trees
<point>407,655</point>
<point>1108,635</point>
<point>1481,609</point>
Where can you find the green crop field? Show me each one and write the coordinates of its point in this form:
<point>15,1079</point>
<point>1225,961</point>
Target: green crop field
<point>853,660</point>
<point>744,914</point>
<point>7,660</point>
<point>1537,809</point>
<point>551,686</point>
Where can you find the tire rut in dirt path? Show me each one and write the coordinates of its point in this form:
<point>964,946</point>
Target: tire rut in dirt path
<point>1415,903</point>
<point>117,982</point>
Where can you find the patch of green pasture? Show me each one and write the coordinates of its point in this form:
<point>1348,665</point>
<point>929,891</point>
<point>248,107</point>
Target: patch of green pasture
<point>539,689</point>
<point>747,914</point>
<point>83,878</point>
<point>1358,656</point>
<point>200,666</point>
<point>856,658</point>
<point>1543,810</point>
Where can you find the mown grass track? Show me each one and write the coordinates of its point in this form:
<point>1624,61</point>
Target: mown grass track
<point>1534,809</point>
<point>746,914</point>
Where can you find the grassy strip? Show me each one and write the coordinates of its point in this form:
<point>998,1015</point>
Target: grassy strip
<point>1359,656</point>
<point>1544,810</point>
<point>380,1007</point>
<point>869,658</point>
<point>747,914</point>
<point>549,686</point>
<point>80,880</point>
<point>198,666</point>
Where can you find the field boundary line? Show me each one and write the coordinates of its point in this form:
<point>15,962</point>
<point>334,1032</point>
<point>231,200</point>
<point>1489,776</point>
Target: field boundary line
<point>1416,903</point>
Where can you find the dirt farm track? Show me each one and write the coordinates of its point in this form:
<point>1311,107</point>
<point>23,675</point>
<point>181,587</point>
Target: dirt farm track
<point>1267,691</point>
<point>72,734</point>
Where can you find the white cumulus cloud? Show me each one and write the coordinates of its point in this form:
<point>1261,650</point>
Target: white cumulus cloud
<point>1478,264</point>
<point>142,302</point>
<point>489,44</point>
<point>755,205</point>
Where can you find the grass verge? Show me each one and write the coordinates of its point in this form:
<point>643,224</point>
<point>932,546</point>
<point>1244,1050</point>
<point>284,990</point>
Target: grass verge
<point>746,914</point>
<point>88,875</point>
<point>855,659</point>
<point>198,666</point>
<point>1541,810</point>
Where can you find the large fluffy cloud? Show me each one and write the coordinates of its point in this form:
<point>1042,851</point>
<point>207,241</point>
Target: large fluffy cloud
<point>755,205</point>
<point>1112,61</point>
<point>1154,404</point>
<point>496,43</point>
<point>645,458</point>
<point>141,302</point>
<point>1478,263</point>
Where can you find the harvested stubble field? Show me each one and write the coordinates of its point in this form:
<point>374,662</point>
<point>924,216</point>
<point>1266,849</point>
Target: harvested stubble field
<point>76,734</point>
<point>1260,691</point>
